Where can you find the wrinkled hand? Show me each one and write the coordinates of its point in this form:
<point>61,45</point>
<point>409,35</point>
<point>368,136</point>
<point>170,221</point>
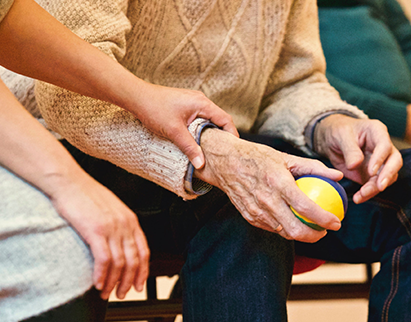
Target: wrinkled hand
<point>168,111</point>
<point>362,150</point>
<point>120,250</point>
<point>260,182</point>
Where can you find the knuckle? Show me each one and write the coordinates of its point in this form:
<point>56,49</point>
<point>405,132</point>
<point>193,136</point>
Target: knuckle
<point>105,258</point>
<point>296,233</point>
<point>132,251</point>
<point>133,264</point>
<point>145,255</point>
<point>119,262</point>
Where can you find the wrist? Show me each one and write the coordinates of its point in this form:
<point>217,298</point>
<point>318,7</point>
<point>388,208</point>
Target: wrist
<point>320,132</point>
<point>218,147</point>
<point>60,178</point>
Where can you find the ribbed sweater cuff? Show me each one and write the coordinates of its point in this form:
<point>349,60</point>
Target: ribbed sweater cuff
<point>310,129</point>
<point>194,185</point>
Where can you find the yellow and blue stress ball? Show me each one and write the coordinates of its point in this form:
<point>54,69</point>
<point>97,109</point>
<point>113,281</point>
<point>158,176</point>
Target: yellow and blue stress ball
<point>328,194</point>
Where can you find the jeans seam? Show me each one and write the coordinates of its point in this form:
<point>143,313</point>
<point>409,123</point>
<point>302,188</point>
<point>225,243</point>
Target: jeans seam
<point>395,275</point>
<point>405,221</point>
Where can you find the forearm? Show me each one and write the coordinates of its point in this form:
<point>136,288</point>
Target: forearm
<point>58,56</point>
<point>31,151</point>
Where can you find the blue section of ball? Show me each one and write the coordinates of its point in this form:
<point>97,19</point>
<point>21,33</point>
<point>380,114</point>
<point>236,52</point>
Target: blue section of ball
<point>336,185</point>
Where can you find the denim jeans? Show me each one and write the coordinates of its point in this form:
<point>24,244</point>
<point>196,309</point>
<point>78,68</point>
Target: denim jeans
<point>237,272</point>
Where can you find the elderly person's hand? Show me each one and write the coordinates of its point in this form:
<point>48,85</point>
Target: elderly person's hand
<point>362,150</point>
<point>259,181</point>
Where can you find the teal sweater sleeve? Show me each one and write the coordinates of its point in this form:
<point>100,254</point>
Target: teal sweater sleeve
<point>400,25</point>
<point>391,112</point>
<point>368,53</point>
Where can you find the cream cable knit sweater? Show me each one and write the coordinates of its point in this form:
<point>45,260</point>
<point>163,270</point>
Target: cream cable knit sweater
<point>260,60</point>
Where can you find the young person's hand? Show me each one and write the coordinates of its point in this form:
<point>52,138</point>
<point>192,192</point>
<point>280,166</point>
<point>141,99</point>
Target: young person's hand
<point>61,58</point>
<point>111,229</point>
<point>169,111</point>
<point>106,224</point>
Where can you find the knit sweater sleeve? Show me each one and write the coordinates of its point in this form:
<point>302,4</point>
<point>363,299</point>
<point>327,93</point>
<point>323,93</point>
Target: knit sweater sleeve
<point>298,90</point>
<point>100,129</point>
<point>377,105</point>
<point>400,25</point>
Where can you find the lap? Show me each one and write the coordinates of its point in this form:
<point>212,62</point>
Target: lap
<point>369,229</point>
<point>43,262</point>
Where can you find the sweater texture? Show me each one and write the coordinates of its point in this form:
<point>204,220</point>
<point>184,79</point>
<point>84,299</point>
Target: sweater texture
<point>261,61</point>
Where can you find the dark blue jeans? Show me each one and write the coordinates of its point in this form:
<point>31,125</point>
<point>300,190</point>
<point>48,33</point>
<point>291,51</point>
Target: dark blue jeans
<point>236,272</point>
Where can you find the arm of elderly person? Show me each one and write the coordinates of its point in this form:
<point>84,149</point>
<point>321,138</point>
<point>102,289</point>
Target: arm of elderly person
<point>260,180</point>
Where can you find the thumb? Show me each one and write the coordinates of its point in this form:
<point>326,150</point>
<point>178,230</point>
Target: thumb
<point>186,143</point>
<point>352,153</point>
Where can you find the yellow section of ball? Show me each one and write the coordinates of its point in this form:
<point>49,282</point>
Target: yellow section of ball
<point>323,194</point>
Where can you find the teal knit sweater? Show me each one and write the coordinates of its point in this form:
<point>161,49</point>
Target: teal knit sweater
<point>367,45</point>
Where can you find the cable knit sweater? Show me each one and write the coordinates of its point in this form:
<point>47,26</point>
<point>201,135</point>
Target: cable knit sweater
<point>261,61</point>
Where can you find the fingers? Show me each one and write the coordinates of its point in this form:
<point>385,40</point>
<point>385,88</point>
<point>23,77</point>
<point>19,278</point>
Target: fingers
<point>353,156</point>
<point>116,267</point>
<point>131,266</point>
<point>385,163</point>
<point>143,259</point>
<point>303,166</point>
<point>122,260</point>
<point>307,208</point>
<point>371,188</point>
<point>102,259</point>
<point>274,214</point>
<point>222,120</point>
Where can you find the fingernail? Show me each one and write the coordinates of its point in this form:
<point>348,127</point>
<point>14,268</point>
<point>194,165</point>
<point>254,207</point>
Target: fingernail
<point>99,286</point>
<point>197,162</point>
<point>374,170</point>
<point>335,226</point>
<point>384,183</point>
